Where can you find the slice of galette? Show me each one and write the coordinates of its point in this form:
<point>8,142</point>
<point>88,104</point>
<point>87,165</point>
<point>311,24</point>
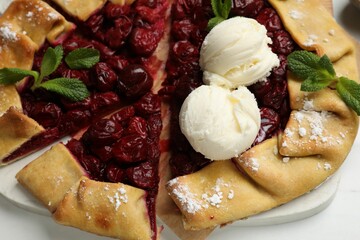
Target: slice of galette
<point>304,136</point>
<point>116,127</point>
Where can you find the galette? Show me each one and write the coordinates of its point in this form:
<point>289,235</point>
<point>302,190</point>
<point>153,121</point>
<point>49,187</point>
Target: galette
<point>186,110</point>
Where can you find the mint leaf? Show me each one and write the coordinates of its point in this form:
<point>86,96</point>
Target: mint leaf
<point>82,58</point>
<point>13,75</point>
<point>52,59</point>
<point>326,64</point>
<point>215,7</point>
<point>313,85</point>
<point>221,9</point>
<point>349,92</point>
<point>226,7</point>
<point>71,88</point>
<point>303,64</point>
<point>213,22</point>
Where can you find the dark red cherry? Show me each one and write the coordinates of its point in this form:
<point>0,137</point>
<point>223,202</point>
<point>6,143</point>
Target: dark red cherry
<point>101,101</point>
<point>77,148</point>
<point>134,81</point>
<point>123,115</point>
<point>282,43</point>
<point>143,41</point>
<point>130,149</point>
<point>185,52</point>
<point>137,126</point>
<point>149,104</point>
<point>247,8</point>
<point>104,77</point>
<point>46,114</point>
<point>102,133</point>
<point>117,63</point>
<point>93,166</point>
<point>116,36</point>
<point>104,153</point>
<point>144,176</point>
<point>74,120</point>
<point>269,124</point>
<point>181,30</point>
<point>113,11</point>
<point>114,173</point>
<point>154,126</point>
<point>270,19</point>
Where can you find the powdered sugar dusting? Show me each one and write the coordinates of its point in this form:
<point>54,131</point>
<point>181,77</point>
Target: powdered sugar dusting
<point>118,198</point>
<point>311,40</point>
<point>295,14</point>
<point>187,199</point>
<point>7,33</point>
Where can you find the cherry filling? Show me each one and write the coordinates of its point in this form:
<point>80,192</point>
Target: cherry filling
<point>188,31</point>
<point>125,147</point>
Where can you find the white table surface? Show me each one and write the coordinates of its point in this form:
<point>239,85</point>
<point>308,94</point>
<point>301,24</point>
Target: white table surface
<point>341,220</point>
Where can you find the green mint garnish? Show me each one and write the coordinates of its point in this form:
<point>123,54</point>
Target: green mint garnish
<point>13,75</point>
<point>82,58</point>
<point>71,88</point>
<point>318,73</point>
<point>221,9</point>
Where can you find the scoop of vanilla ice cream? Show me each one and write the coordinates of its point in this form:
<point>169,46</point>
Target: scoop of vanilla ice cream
<point>236,53</point>
<point>220,123</point>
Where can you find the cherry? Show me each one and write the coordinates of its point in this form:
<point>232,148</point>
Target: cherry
<point>134,81</point>
<point>80,105</point>
<point>93,166</point>
<point>247,8</point>
<point>114,173</point>
<point>282,43</point>
<point>181,30</point>
<point>129,149</point>
<point>117,63</point>
<point>275,97</point>
<point>123,115</point>
<point>270,19</point>
<point>46,114</point>
<point>154,126</point>
<point>113,11</point>
<point>185,52</point>
<point>82,75</point>
<point>77,148</point>
<point>104,77</point>
<point>137,126</point>
<point>96,23</point>
<point>143,176</point>
<point>143,41</point>
<point>269,124</point>
<point>74,120</point>
<point>101,101</point>
<point>149,104</point>
<point>104,153</point>
<point>102,133</point>
<point>116,36</point>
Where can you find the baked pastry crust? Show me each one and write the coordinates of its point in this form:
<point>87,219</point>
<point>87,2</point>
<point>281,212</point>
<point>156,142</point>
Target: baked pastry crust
<point>317,138</point>
<point>109,209</point>
<point>51,175</point>
<point>16,129</point>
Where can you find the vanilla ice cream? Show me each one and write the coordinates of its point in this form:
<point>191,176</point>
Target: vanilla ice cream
<point>220,123</point>
<point>236,53</point>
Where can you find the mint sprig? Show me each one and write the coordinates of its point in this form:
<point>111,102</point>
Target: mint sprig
<point>318,73</point>
<point>82,58</point>
<point>221,9</point>
<point>71,88</point>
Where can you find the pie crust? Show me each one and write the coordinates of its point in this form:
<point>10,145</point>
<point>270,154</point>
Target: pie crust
<point>267,175</point>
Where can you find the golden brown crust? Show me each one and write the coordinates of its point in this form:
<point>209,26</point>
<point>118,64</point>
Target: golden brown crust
<point>78,9</point>
<point>16,129</point>
<point>313,28</point>
<point>37,20</point>
<point>50,176</point>
<point>108,209</point>
<point>317,138</point>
